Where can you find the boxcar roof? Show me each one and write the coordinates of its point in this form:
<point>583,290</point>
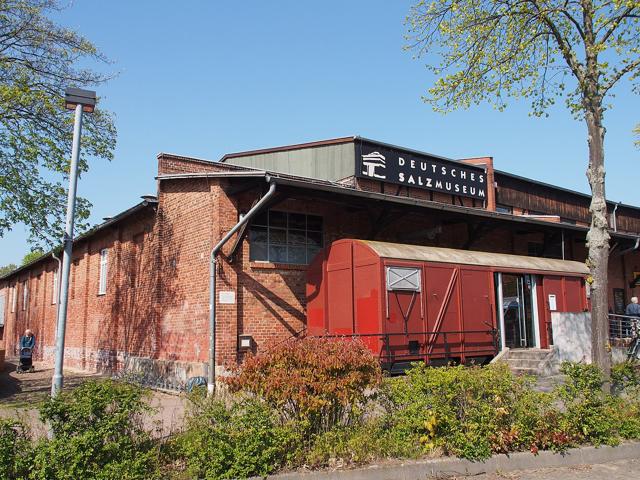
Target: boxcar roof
<point>469,257</point>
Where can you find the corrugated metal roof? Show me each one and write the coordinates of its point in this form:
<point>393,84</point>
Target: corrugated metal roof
<point>469,257</point>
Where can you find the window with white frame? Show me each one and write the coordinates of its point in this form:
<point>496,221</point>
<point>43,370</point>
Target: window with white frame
<point>25,294</point>
<point>54,294</point>
<point>14,298</point>
<point>283,237</point>
<point>102,286</point>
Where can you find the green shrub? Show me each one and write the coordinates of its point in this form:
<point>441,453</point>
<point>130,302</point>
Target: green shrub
<point>366,441</point>
<point>589,415</point>
<point>623,376</point>
<point>16,450</point>
<point>97,434</point>
<point>235,440</point>
<point>472,412</point>
<point>626,414</point>
<point>320,382</point>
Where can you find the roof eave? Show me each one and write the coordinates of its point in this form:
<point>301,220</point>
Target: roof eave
<point>88,233</point>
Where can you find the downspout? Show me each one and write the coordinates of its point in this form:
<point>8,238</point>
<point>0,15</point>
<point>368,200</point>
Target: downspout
<point>615,222</point>
<point>213,263</point>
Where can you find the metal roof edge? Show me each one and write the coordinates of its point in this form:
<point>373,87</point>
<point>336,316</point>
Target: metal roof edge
<point>286,148</point>
<point>305,182</point>
<point>250,172</point>
<point>93,230</point>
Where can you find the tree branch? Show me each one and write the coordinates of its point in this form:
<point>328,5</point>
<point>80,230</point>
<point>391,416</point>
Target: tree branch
<point>619,74</point>
<point>615,23</point>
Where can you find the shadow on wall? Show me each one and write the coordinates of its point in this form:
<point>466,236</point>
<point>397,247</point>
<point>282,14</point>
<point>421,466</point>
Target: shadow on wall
<point>291,318</point>
<point>145,283</point>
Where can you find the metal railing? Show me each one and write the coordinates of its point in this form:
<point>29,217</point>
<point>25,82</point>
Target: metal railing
<point>622,327</point>
<point>438,345</point>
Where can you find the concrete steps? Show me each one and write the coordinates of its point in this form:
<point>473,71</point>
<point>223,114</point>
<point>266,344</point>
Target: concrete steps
<point>528,361</point>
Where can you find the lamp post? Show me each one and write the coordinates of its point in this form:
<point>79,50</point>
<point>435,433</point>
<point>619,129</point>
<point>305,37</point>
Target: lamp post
<point>80,101</point>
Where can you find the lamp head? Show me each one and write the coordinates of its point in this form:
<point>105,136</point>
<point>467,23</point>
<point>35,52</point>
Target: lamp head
<point>78,96</point>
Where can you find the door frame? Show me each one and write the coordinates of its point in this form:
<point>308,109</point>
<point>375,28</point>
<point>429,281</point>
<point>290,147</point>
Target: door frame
<point>534,309</point>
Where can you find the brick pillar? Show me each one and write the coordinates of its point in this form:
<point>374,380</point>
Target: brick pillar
<point>487,163</point>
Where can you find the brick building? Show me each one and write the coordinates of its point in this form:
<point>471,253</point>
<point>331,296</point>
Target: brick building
<point>139,282</point>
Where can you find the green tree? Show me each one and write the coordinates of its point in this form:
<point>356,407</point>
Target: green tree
<point>38,60</point>
<point>539,50</point>
<point>7,269</point>
<point>31,256</point>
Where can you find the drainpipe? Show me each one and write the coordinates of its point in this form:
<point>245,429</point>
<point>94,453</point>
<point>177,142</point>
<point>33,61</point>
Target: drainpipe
<point>615,222</point>
<point>213,263</point>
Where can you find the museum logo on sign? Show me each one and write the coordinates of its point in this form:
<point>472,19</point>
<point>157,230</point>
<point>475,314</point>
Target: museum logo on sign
<point>373,165</point>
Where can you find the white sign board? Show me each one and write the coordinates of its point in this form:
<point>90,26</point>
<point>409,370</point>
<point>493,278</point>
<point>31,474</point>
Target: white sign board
<point>227,297</point>
<point>552,303</point>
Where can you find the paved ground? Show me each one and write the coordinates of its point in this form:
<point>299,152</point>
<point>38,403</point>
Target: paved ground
<point>619,470</point>
<point>21,395</point>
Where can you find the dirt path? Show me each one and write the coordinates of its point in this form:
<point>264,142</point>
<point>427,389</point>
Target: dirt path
<point>22,394</point>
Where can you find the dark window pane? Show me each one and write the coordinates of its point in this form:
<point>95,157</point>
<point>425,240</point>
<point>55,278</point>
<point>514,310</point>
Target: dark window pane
<point>314,239</point>
<point>297,220</point>
<point>278,254</point>
<point>314,223</point>
<point>260,219</point>
<point>277,219</point>
<point>258,252</point>
<point>277,235</point>
<point>297,237</point>
<point>297,255</point>
<point>258,234</point>
<point>311,253</point>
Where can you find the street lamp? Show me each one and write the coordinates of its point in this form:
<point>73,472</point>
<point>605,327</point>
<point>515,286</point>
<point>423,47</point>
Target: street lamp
<point>80,101</point>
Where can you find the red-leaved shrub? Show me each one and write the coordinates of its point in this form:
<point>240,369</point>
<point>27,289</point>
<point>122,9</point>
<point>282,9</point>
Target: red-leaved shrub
<point>320,381</point>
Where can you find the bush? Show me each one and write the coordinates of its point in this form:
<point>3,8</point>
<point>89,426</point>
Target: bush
<point>364,442</point>
<point>589,412</point>
<point>16,450</point>
<point>623,376</point>
<point>626,415</point>
<point>472,412</point>
<point>318,381</point>
<point>236,440</point>
<point>97,434</point>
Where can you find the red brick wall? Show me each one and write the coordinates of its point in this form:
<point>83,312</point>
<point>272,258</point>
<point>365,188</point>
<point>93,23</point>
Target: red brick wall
<point>100,328</point>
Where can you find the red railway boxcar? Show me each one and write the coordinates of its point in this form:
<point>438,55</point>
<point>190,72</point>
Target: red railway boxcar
<point>410,303</point>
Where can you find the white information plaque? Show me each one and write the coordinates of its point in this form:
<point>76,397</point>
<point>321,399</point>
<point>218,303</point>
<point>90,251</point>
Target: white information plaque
<point>227,297</point>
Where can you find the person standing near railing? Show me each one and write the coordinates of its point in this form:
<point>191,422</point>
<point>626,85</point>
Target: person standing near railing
<point>632,310</point>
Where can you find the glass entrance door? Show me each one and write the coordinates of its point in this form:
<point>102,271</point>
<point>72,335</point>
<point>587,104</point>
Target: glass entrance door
<point>517,311</point>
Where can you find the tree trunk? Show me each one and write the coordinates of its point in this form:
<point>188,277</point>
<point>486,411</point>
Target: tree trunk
<point>598,244</point>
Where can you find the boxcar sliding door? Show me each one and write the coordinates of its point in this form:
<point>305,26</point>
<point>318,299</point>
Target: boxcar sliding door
<point>404,324</point>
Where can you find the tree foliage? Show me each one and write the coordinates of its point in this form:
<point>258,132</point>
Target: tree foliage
<point>38,60</point>
<point>540,50</point>
<point>7,269</point>
<point>31,256</point>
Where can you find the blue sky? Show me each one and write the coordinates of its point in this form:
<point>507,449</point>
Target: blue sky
<point>206,78</point>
